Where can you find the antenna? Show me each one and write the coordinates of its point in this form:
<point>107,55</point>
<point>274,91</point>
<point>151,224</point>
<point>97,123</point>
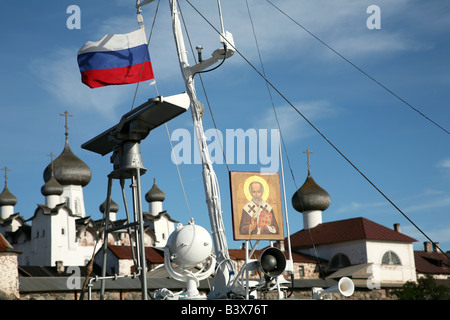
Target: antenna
<point>225,272</point>
<point>123,140</point>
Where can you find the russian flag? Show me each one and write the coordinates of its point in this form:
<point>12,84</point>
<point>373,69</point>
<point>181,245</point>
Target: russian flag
<point>115,59</point>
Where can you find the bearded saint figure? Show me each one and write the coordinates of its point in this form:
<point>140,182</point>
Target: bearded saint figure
<point>257,215</point>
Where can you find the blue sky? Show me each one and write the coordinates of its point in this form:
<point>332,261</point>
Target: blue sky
<point>403,154</point>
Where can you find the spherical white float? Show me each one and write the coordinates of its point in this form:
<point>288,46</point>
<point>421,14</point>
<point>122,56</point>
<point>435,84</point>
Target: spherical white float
<point>189,246</point>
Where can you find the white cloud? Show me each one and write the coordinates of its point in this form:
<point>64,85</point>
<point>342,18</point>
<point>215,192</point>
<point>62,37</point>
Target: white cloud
<point>278,37</point>
<point>437,233</point>
<point>444,164</point>
<point>357,206</point>
<point>340,24</point>
<point>423,203</point>
<point>59,75</point>
<point>293,126</point>
<point>429,204</point>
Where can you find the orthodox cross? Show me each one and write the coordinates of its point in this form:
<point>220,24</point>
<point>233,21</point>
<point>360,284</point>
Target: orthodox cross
<point>6,174</point>
<point>66,115</point>
<point>51,155</point>
<point>308,152</point>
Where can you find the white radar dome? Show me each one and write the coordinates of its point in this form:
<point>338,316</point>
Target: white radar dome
<point>189,245</point>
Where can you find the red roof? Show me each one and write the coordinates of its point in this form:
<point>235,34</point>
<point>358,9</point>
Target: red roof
<point>151,254</point>
<point>5,246</point>
<point>431,262</point>
<point>346,230</point>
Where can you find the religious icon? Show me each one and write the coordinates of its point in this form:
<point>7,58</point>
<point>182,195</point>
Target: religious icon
<point>256,206</point>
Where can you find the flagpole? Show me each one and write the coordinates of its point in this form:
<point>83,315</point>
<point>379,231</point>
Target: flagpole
<point>290,266</point>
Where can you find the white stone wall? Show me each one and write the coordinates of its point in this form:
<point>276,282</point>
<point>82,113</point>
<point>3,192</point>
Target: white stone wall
<point>354,250</point>
<point>372,251</point>
<point>406,271</point>
<point>9,274</point>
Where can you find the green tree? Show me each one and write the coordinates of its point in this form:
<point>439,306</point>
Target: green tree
<point>425,289</point>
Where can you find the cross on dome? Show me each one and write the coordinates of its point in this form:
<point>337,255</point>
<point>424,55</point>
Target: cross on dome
<point>6,169</point>
<point>308,152</point>
<point>66,115</point>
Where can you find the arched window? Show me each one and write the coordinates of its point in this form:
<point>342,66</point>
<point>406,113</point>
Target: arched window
<point>340,260</point>
<point>390,257</point>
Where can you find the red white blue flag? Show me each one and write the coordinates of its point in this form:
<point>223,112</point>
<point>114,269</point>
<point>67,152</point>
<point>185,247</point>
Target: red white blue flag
<point>115,59</point>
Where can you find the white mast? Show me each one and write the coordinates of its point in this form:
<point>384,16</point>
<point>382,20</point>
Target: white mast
<point>224,275</point>
<point>225,272</point>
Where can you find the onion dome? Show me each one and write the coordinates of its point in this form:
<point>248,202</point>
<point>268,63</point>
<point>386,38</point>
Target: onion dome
<point>155,194</point>
<point>69,169</point>
<point>114,207</point>
<point>310,197</point>
<point>7,198</point>
<point>52,187</point>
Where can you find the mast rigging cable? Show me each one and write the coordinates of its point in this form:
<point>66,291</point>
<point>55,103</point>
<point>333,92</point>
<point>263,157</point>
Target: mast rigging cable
<point>314,127</point>
<point>360,70</point>
<point>281,138</point>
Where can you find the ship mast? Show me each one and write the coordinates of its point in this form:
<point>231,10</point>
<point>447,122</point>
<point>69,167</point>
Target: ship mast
<point>225,271</point>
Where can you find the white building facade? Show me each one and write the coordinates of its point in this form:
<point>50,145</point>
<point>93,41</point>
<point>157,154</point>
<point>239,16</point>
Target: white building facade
<point>385,256</point>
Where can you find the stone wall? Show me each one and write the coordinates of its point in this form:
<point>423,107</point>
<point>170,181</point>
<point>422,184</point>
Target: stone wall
<point>9,284</point>
<point>378,294</point>
<point>75,295</point>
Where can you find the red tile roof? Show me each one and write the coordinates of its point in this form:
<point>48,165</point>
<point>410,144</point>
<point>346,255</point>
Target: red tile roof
<point>124,252</point>
<point>431,262</point>
<point>345,230</point>
<point>5,246</point>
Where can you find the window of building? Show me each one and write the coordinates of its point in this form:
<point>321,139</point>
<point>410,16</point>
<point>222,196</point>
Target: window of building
<point>301,271</point>
<point>340,260</point>
<point>77,206</point>
<point>390,257</point>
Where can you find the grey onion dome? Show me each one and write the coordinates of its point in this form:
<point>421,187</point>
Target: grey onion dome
<point>52,187</point>
<point>155,194</point>
<point>7,198</point>
<point>310,197</point>
<point>69,169</point>
<point>114,207</point>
